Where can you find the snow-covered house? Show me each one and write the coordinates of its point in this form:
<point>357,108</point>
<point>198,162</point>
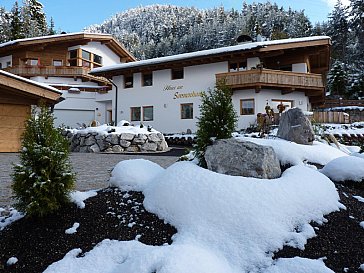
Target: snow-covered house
<point>63,61</point>
<point>17,95</point>
<point>165,92</point>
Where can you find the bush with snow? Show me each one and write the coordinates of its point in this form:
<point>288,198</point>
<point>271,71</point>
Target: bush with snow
<point>348,168</point>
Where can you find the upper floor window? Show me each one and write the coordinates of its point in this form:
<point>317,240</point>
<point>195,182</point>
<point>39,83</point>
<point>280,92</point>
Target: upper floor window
<point>73,54</point>
<point>33,62</point>
<point>177,73</point>
<point>147,79</point>
<point>97,59</point>
<point>57,62</point>
<point>86,55</point>
<point>237,66</point>
<point>128,81</point>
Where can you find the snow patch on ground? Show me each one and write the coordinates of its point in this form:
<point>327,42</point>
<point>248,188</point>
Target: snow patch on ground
<point>107,129</point>
<point>73,229</point>
<point>134,174</point>
<point>8,216</point>
<point>12,261</point>
<point>78,197</point>
<point>348,168</point>
<point>359,198</point>
<point>225,223</point>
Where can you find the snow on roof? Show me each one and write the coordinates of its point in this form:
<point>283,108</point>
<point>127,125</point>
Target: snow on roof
<point>39,84</point>
<point>49,37</point>
<point>346,108</point>
<point>202,53</point>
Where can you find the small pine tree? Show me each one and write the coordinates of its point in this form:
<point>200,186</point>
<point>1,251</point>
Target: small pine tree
<point>44,178</point>
<point>217,119</point>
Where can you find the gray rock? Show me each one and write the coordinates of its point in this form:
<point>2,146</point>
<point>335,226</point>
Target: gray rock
<point>124,143</point>
<point>108,150</point>
<point>140,139</point>
<point>117,149</point>
<point>149,147</point>
<point>228,156</point>
<point>295,126</point>
<point>103,144</point>
<point>132,149</point>
<point>95,148</point>
<point>84,149</point>
<point>89,141</point>
<point>154,138</point>
<point>162,146</point>
<point>113,139</point>
<point>127,136</point>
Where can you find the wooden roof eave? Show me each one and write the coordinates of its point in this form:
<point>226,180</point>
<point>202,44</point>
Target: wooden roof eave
<point>29,89</point>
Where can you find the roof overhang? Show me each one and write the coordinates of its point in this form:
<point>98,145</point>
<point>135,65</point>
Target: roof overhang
<point>18,90</point>
<point>312,46</point>
<point>70,39</point>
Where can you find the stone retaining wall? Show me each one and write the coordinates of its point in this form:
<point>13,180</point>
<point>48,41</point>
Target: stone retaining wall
<point>93,142</point>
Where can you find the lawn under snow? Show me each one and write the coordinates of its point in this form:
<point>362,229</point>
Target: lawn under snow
<point>225,223</point>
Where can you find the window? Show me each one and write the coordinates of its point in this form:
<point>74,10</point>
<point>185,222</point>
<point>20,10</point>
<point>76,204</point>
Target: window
<point>237,66</point>
<point>128,81</point>
<point>1,65</point>
<point>97,59</point>
<point>8,64</point>
<point>57,62</point>
<point>32,62</point>
<point>135,114</point>
<point>187,111</point>
<point>247,107</point>
<point>147,79</point>
<point>177,73</point>
<point>288,104</point>
<point>147,113</point>
<point>86,55</point>
<point>73,54</point>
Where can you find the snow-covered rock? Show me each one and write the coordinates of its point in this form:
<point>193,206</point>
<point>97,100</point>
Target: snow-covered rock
<point>348,168</point>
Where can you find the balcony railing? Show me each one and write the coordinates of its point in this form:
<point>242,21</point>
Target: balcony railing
<point>56,71</point>
<point>259,78</point>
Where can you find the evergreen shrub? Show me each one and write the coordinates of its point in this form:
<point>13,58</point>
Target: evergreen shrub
<point>43,179</point>
<point>217,119</point>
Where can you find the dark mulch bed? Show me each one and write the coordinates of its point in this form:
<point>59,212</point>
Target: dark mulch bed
<point>39,243</point>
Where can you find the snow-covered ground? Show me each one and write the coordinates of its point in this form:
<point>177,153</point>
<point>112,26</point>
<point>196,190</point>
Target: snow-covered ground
<point>225,223</point>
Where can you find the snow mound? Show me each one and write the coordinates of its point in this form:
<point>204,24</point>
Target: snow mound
<point>78,197</point>
<point>295,154</point>
<point>8,216</point>
<point>357,154</point>
<point>348,168</point>
<point>11,261</point>
<point>72,229</point>
<point>226,224</point>
<point>299,265</point>
<point>134,174</point>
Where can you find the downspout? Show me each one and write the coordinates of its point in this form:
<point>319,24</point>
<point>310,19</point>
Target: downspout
<point>116,100</point>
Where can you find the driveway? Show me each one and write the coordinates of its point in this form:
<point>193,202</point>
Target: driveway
<point>93,170</point>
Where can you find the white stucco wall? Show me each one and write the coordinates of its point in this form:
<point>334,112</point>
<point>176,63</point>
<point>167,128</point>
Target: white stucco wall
<point>166,107</point>
<point>4,60</point>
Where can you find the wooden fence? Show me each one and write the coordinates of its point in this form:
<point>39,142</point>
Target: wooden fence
<point>331,117</point>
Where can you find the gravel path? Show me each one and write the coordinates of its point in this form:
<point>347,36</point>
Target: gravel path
<point>92,169</point>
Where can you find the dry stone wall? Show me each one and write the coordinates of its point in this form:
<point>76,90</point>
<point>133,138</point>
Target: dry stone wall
<point>93,142</point>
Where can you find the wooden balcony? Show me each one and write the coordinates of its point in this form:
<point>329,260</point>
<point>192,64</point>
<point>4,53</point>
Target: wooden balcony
<point>286,81</point>
<point>57,71</point>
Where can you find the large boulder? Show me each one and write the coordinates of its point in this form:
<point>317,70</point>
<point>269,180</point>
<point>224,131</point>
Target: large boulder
<point>232,157</point>
<point>295,126</point>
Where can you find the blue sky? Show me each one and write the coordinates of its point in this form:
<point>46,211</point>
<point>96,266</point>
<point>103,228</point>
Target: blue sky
<point>74,15</point>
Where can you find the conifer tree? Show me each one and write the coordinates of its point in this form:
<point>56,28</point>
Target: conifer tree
<point>44,178</point>
<point>34,18</point>
<point>16,24</point>
<point>338,80</point>
<point>217,119</point>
